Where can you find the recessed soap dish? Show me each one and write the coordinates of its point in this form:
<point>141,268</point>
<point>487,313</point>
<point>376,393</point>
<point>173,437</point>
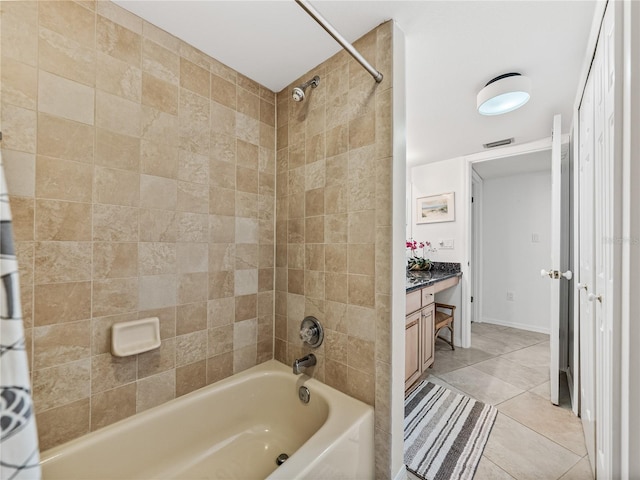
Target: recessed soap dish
<point>137,336</point>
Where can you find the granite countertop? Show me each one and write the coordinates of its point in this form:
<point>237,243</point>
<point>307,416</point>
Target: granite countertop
<point>439,271</point>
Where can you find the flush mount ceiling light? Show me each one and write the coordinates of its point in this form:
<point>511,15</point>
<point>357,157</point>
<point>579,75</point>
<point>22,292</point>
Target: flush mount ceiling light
<point>503,94</point>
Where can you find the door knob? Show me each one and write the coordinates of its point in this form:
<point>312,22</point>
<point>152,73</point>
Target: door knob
<point>556,274</point>
<point>592,297</point>
<point>582,286</point>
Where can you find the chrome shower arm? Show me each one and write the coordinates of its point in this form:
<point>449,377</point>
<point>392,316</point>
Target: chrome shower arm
<point>313,82</point>
<point>306,6</point>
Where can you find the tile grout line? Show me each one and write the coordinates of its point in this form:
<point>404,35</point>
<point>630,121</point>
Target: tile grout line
<point>497,466</point>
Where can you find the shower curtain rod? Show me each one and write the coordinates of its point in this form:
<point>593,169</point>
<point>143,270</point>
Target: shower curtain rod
<point>306,6</point>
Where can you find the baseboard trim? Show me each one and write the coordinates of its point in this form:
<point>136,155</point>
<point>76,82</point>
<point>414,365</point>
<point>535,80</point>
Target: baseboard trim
<point>521,326</point>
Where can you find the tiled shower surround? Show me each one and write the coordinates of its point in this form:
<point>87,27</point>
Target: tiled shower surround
<point>333,226</point>
<point>148,179</point>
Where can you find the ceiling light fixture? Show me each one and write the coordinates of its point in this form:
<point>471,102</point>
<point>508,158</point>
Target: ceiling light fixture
<point>503,94</point>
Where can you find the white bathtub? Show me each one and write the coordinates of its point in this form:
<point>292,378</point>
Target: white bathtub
<point>233,429</point>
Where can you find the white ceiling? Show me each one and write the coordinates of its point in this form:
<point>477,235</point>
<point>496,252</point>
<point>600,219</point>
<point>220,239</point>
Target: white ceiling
<point>453,49</point>
<point>514,165</point>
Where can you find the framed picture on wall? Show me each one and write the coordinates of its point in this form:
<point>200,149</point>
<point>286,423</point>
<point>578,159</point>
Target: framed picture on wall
<point>436,208</point>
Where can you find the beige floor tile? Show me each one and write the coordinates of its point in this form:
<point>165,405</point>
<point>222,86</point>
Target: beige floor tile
<point>525,454</point>
<point>537,442</point>
<point>580,471</point>
<point>446,361</point>
<point>514,373</point>
<point>469,356</point>
<point>491,345</point>
<point>564,397</point>
<point>544,390</point>
<point>438,346</point>
<point>487,470</point>
<point>438,381</point>
<point>515,337</point>
<point>555,423</point>
<point>481,386</point>
<point>480,328</point>
<point>534,356</point>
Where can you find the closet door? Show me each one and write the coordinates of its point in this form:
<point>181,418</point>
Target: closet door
<point>586,276</point>
<point>607,229</point>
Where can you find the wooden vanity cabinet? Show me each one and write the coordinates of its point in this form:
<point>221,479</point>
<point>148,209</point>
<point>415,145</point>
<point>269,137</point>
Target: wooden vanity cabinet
<point>427,342</point>
<point>412,338</point>
<point>419,345</point>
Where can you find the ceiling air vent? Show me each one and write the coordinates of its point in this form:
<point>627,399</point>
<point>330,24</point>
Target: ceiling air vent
<point>499,143</point>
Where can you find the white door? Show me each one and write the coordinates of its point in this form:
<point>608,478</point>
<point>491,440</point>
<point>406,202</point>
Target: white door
<point>554,272</point>
<point>605,296</point>
<point>586,274</point>
<point>476,247</point>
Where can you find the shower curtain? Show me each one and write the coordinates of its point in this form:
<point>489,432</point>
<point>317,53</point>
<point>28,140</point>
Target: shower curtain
<point>19,455</point>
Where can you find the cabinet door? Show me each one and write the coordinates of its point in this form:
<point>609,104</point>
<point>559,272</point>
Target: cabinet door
<point>426,336</point>
<point>412,349</point>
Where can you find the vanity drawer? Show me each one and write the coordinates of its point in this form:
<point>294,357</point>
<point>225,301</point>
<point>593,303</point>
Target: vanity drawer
<point>428,296</point>
<point>413,301</point>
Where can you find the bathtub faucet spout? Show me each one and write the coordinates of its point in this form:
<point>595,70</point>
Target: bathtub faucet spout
<point>301,364</point>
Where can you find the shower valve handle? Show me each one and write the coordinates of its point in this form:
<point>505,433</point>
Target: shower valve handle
<point>307,334</point>
<point>311,332</point>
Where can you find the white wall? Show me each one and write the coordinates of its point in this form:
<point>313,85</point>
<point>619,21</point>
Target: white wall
<point>514,208</point>
<point>432,179</point>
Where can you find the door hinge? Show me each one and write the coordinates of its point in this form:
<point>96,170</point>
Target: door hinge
<point>471,299</point>
<point>471,199</point>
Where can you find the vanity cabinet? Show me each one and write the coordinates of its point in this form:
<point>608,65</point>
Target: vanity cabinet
<point>427,342</point>
<point>412,363</point>
<point>419,341</point>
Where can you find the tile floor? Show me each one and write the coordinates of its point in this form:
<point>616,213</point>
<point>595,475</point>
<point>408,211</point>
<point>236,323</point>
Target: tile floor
<point>509,368</point>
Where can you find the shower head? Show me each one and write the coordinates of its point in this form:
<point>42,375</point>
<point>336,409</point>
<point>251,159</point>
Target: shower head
<point>298,92</point>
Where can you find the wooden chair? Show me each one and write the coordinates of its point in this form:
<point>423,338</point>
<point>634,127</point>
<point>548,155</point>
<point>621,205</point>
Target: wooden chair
<point>444,319</point>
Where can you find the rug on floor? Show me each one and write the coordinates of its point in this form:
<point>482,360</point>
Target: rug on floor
<point>444,432</point>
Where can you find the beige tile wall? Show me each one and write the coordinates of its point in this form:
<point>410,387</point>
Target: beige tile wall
<point>142,175</point>
<point>333,226</point>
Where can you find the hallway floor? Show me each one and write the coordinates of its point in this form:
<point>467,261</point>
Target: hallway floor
<point>509,368</point>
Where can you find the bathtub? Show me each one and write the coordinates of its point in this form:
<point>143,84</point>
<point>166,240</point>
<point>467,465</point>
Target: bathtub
<point>232,429</point>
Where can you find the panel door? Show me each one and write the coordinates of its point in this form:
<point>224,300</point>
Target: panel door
<point>606,229</point>
<point>556,251</point>
<point>426,336</point>
<point>412,349</point>
<point>586,276</point>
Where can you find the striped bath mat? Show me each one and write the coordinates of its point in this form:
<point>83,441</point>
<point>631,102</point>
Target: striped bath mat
<point>444,432</point>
